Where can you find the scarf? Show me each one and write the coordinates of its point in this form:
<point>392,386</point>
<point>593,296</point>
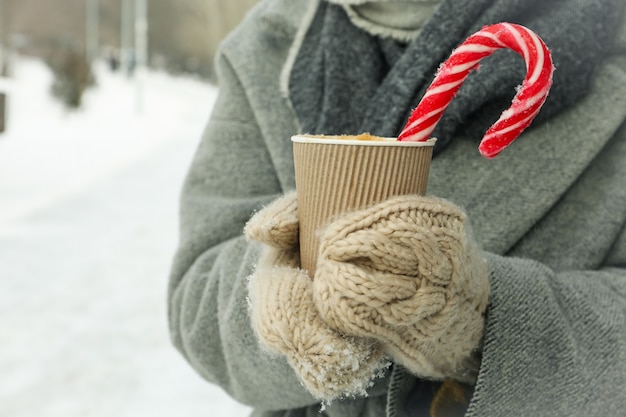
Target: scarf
<point>346,81</point>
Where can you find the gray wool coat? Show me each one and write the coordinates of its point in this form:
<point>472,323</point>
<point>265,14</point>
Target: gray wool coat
<point>549,213</point>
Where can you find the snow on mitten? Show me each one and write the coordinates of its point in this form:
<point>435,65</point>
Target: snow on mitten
<point>284,317</point>
<point>407,273</point>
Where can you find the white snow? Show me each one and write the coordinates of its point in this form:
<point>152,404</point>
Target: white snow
<point>88,205</point>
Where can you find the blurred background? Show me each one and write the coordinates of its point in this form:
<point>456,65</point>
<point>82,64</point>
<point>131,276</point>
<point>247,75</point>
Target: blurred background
<point>182,35</point>
<point>102,104</point>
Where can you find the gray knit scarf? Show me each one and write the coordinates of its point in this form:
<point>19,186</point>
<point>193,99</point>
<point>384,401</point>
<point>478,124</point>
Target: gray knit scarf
<point>346,81</point>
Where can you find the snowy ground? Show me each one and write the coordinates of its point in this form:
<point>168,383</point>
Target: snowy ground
<point>88,204</point>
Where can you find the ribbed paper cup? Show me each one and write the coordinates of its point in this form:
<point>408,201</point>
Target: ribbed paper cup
<point>338,174</point>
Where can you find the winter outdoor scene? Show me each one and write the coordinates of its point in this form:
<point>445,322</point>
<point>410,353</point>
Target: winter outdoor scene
<point>87,230</point>
<point>88,227</point>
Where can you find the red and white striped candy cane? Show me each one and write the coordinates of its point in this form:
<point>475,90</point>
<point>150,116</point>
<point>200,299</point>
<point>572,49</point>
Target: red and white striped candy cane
<point>526,103</point>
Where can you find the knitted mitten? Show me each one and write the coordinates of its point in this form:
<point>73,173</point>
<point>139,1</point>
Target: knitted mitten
<point>407,273</point>
<point>283,314</point>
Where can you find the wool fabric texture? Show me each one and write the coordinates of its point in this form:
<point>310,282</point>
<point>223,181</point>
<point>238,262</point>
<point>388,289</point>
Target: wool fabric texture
<point>407,273</point>
<point>400,20</point>
<point>550,224</point>
<point>402,277</point>
<point>329,364</point>
<point>333,91</point>
<point>353,2</point>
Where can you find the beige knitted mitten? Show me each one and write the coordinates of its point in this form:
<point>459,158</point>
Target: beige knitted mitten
<point>283,315</point>
<point>407,273</point>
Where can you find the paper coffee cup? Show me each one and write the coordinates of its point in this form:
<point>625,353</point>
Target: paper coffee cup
<point>338,174</point>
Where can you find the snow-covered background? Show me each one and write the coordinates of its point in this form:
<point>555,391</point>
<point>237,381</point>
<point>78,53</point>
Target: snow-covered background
<point>88,205</point>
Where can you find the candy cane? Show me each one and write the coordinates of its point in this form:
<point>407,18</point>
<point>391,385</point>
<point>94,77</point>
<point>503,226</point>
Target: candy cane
<point>526,103</point>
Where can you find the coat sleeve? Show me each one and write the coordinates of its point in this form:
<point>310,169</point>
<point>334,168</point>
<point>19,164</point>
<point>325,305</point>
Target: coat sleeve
<point>231,176</point>
<point>555,341</point>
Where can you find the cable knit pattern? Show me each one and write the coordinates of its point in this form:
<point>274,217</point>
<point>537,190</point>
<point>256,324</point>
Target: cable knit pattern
<point>283,315</point>
<point>406,272</point>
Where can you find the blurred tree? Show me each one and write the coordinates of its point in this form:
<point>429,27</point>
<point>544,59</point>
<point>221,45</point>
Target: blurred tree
<point>183,34</point>
<point>5,10</point>
<point>72,74</point>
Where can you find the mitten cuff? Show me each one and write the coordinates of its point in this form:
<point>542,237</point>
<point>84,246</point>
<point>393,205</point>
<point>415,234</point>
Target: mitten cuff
<point>330,365</point>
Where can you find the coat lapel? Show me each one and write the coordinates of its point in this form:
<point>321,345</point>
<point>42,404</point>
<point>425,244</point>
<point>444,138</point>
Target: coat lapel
<point>506,196</point>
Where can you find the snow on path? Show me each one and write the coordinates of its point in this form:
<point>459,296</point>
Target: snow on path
<point>88,205</point>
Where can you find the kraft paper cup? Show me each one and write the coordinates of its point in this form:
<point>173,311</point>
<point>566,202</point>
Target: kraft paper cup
<point>338,174</point>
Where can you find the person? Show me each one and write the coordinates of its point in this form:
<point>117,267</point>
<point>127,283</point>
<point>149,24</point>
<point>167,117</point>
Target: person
<point>502,292</point>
